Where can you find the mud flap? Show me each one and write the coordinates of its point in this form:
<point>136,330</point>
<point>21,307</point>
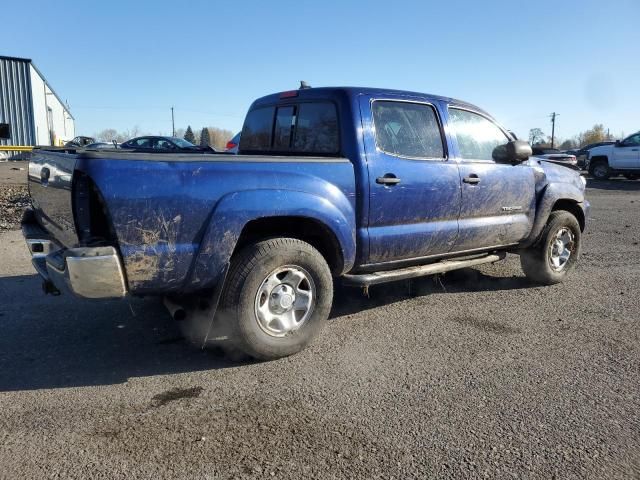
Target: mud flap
<point>202,323</point>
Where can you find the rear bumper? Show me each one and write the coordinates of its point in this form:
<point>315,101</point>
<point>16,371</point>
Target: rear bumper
<point>89,272</point>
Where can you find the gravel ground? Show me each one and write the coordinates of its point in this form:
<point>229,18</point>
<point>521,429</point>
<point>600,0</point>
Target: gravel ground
<point>14,197</point>
<point>481,375</point>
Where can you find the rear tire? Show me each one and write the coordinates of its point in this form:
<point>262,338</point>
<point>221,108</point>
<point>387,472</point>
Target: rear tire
<point>277,297</point>
<point>557,251</point>
<point>600,170</point>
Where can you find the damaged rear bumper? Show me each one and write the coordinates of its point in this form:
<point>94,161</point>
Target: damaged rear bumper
<point>89,272</point>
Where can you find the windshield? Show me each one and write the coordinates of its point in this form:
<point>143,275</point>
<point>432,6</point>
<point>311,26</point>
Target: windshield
<point>182,143</point>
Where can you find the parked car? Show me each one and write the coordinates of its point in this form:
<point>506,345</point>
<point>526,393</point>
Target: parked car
<point>621,157</point>
<point>556,156</point>
<point>362,185</point>
<point>80,141</point>
<point>581,153</point>
<point>232,145</point>
<point>162,144</point>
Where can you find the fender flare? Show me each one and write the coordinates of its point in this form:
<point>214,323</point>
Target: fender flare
<point>235,210</point>
<point>550,196</point>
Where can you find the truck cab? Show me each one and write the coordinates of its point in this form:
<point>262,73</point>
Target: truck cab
<point>622,157</point>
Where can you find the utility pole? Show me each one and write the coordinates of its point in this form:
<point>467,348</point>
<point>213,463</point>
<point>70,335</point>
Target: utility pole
<point>553,127</point>
<point>173,124</point>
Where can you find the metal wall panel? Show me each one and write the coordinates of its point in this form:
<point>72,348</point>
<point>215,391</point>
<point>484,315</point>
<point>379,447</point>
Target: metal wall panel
<point>16,103</point>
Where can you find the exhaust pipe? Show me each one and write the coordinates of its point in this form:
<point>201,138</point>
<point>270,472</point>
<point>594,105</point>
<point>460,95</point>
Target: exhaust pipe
<point>176,311</point>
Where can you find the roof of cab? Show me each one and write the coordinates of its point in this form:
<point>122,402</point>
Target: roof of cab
<point>328,92</point>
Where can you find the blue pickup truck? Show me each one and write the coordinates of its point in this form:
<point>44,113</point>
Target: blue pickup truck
<point>365,185</point>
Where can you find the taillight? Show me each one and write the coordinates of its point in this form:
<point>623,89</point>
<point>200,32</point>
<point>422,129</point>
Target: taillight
<point>231,145</point>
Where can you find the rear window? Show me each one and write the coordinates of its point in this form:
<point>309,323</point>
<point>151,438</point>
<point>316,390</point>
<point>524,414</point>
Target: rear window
<point>305,128</point>
<point>257,130</point>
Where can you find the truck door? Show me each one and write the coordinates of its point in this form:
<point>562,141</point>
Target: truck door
<point>626,154</point>
<point>414,189</point>
<point>498,200</point>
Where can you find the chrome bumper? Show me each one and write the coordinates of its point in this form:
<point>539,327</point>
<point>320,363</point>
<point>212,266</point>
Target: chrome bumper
<point>89,272</point>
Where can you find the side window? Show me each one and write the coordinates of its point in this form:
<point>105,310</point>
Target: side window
<point>407,129</point>
<point>317,129</point>
<point>143,143</point>
<point>477,136</point>
<point>632,141</point>
<point>256,133</point>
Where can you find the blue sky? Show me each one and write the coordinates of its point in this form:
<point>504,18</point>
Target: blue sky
<point>124,63</point>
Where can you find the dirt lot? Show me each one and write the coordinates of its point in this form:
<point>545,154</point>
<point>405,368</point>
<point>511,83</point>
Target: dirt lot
<point>483,375</point>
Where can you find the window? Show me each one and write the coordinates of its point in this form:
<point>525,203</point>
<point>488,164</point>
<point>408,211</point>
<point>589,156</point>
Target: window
<point>256,133</point>
<point>162,144</point>
<point>477,136</point>
<point>305,128</point>
<point>317,129</point>
<point>144,142</point>
<point>285,121</point>
<point>632,141</point>
<point>5,130</point>
<point>407,129</point>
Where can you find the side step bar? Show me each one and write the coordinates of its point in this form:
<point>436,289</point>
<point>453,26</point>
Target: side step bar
<point>366,279</point>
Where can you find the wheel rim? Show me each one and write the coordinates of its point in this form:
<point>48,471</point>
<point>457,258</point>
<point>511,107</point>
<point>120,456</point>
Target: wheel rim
<point>600,171</point>
<point>561,249</point>
<point>285,300</point>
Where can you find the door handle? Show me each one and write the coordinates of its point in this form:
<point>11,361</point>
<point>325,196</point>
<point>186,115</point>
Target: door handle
<point>388,179</point>
<point>472,179</point>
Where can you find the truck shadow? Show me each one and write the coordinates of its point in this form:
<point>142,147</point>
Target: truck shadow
<point>61,342</point>
<point>349,300</point>
<point>620,184</point>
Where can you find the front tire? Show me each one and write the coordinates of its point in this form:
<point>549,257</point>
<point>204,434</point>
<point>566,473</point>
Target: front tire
<point>277,297</point>
<point>600,170</point>
<point>557,251</point>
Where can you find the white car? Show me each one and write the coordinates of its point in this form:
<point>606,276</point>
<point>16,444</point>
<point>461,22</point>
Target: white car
<point>623,157</point>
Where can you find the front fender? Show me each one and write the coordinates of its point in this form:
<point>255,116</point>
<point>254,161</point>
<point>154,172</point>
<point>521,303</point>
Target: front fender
<point>553,193</point>
<point>235,210</point>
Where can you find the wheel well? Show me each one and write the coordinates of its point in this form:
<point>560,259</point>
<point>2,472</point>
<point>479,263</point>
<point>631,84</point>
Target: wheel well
<point>573,208</point>
<point>303,228</point>
<point>599,158</point>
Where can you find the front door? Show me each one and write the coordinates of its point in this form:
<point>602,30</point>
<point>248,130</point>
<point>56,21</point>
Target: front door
<point>498,200</point>
<point>414,189</point>
<point>627,153</point>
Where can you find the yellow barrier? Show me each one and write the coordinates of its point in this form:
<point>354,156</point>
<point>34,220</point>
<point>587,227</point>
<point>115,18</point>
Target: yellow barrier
<point>15,148</point>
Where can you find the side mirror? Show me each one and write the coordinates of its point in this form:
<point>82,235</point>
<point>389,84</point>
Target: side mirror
<point>515,151</point>
<point>617,143</point>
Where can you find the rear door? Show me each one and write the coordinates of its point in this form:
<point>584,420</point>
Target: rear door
<point>414,188</point>
<point>498,200</point>
<point>627,153</point>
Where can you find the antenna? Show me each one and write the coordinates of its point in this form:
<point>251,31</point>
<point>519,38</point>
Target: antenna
<point>304,85</point>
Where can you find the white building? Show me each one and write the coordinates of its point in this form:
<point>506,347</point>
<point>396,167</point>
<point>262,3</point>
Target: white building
<point>31,113</point>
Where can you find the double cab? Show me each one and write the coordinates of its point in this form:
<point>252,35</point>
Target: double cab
<point>358,184</point>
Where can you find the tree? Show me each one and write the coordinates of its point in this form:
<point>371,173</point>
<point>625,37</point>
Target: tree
<point>219,137</point>
<point>536,135</point>
<point>568,144</point>
<point>189,136</point>
<point>107,135</point>
<point>596,134</point>
<point>205,140</point>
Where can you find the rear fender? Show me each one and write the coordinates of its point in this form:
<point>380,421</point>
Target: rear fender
<point>236,209</point>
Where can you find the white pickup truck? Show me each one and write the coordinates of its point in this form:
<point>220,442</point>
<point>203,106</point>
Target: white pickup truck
<point>623,157</point>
